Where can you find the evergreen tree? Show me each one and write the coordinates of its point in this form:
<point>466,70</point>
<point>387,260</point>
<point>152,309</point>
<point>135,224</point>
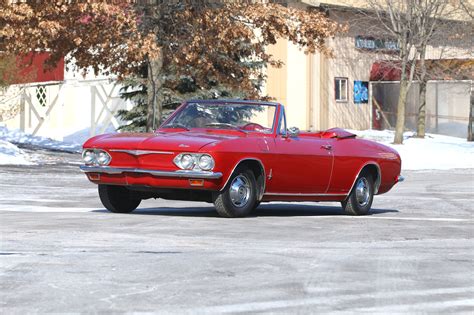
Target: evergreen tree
<point>175,92</point>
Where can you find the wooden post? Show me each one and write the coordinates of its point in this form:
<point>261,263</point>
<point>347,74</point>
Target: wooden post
<point>379,108</point>
<point>93,125</point>
<point>22,111</point>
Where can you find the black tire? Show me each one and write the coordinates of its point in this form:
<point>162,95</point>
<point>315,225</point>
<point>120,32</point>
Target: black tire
<point>359,203</point>
<point>118,199</point>
<point>241,204</point>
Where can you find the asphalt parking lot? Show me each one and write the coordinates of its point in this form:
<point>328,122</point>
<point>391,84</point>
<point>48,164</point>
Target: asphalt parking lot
<point>62,252</point>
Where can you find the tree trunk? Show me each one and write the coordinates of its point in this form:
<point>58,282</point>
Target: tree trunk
<point>154,93</point>
<point>402,98</point>
<point>421,123</point>
<point>405,83</point>
<point>470,126</point>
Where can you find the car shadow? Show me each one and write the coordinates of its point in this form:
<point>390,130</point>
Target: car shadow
<point>264,210</point>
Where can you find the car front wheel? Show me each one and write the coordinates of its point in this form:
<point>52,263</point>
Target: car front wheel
<point>361,197</point>
<point>238,198</point>
<point>118,199</point>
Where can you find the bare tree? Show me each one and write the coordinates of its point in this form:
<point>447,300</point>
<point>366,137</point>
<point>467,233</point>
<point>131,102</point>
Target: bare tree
<point>438,21</point>
<point>429,13</point>
<point>468,7</point>
<point>399,19</point>
<point>414,24</point>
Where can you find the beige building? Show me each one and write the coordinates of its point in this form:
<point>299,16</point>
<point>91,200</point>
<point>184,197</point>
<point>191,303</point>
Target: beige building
<point>318,91</point>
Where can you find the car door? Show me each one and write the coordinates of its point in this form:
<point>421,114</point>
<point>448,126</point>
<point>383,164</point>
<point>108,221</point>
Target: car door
<point>304,164</point>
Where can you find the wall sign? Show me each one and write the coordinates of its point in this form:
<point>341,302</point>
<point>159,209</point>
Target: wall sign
<point>361,92</point>
<point>371,43</point>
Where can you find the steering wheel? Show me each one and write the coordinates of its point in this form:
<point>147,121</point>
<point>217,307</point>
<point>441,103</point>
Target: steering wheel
<point>253,127</point>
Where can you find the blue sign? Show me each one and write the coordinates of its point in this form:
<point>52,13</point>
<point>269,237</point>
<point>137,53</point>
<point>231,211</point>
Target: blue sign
<point>361,92</point>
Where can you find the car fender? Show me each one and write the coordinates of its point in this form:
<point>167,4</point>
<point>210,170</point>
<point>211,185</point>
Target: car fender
<point>240,161</point>
<point>377,182</point>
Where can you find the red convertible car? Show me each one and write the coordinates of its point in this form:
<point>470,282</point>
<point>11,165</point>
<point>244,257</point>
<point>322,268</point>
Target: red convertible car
<point>238,154</point>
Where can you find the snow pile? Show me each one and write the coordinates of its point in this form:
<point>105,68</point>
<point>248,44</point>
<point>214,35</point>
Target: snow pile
<point>11,154</point>
<point>19,137</point>
<point>433,152</point>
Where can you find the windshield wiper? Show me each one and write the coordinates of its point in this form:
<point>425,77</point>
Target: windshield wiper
<point>176,125</point>
<point>216,124</point>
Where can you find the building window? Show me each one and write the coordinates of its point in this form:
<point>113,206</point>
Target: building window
<point>41,95</point>
<point>340,85</point>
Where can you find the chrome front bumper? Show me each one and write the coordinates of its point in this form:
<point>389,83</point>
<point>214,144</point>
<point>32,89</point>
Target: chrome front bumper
<point>400,178</point>
<point>179,173</point>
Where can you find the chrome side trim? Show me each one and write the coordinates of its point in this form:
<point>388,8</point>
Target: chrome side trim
<point>261,166</point>
<point>304,195</point>
<point>141,152</point>
<point>179,173</point>
<point>377,182</point>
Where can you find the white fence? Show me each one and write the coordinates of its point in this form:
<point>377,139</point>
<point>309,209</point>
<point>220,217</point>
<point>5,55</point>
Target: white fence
<point>68,111</point>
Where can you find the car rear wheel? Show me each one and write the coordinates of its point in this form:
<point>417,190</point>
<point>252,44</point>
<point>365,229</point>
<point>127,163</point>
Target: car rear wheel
<point>238,198</point>
<point>118,199</point>
<point>361,197</point>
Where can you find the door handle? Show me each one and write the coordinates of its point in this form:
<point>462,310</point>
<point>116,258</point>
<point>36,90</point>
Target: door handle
<point>327,146</point>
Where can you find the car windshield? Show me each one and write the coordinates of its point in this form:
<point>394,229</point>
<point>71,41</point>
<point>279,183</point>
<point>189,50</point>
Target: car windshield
<point>239,116</point>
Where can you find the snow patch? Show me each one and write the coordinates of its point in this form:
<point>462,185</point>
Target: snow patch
<point>18,137</point>
<point>11,154</point>
<point>435,152</point>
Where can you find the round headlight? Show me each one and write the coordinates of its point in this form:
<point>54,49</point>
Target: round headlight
<point>103,158</point>
<point>206,162</point>
<point>88,156</point>
<point>187,161</point>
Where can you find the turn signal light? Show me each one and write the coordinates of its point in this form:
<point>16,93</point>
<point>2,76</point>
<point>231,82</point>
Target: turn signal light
<point>196,182</point>
<point>94,176</point>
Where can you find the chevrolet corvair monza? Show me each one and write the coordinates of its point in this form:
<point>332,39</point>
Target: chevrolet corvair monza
<point>238,154</point>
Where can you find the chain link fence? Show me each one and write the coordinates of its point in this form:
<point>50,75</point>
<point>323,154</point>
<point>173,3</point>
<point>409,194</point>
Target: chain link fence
<point>447,106</point>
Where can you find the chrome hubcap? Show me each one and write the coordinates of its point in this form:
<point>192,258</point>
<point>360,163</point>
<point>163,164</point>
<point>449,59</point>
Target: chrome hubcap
<point>240,191</point>
<point>362,192</point>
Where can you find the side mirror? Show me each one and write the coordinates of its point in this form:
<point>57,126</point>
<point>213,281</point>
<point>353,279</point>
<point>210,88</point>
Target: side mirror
<point>293,132</point>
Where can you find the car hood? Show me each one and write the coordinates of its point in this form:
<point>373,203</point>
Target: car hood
<point>160,141</point>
